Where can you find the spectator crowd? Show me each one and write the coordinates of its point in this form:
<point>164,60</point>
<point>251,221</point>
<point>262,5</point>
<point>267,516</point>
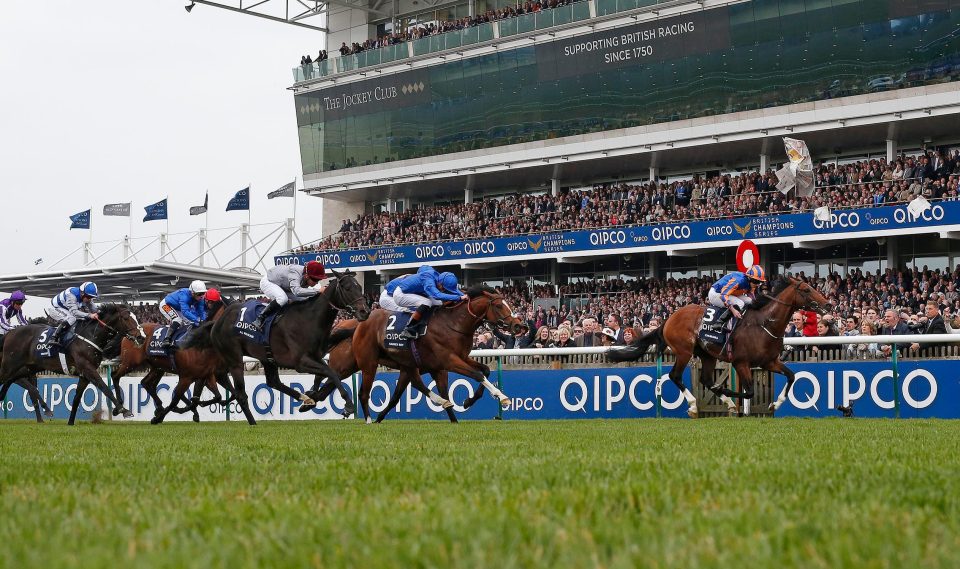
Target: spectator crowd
<point>934,175</point>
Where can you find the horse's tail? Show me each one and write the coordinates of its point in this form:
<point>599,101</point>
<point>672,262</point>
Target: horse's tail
<point>340,334</point>
<point>200,338</point>
<point>639,347</point>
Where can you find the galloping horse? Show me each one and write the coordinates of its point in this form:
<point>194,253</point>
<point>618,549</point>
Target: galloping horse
<point>445,347</point>
<point>757,342</point>
<point>189,364</point>
<point>84,354</point>
<point>298,340</point>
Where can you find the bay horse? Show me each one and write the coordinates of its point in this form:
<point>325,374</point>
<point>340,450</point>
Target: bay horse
<point>191,365</point>
<point>298,340</point>
<point>757,341</point>
<point>83,354</point>
<point>445,347</point>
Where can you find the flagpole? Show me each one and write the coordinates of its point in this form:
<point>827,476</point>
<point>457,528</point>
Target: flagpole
<point>167,199</point>
<point>294,200</point>
<point>249,199</point>
<point>91,226</point>
<point>130,221</point>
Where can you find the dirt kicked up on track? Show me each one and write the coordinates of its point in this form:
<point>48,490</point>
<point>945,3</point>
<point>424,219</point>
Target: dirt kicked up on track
<point>630,493</point>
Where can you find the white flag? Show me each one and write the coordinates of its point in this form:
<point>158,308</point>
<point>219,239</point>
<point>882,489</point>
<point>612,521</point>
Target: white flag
<point>918,206</point>
<point>822,213</point>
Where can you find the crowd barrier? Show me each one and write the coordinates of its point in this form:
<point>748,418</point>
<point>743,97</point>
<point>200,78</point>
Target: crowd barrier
<point>564,383</point>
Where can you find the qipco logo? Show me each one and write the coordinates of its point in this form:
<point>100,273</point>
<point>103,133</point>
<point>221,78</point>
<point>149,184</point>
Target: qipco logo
<point>608,237</point>
<point>902,215</point>
<point>430,251</point>
<point>842,219</point>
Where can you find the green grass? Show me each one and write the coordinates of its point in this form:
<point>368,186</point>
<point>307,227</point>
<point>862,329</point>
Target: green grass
<point>633,493</point>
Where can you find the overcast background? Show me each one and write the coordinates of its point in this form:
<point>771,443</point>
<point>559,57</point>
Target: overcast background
<point>135,100</point>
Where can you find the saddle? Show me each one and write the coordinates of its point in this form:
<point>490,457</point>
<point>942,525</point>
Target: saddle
<point>396,322</point>
<point>43,347</point>
<point>155,347</point>
<point>245,319</point>
<point>711,332</point>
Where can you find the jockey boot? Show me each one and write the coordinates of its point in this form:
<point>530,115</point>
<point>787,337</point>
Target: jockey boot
<point>58,334</point>
<point>168,341</point>
<point>722,319</point>
<point>415,327</point>
<point>262,318</point>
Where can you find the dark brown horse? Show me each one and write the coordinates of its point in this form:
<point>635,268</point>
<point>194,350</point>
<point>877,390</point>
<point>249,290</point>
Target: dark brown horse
<point>191,365</point>
<point>757,341</point>
<point>84,354</point>
<point>445,347</point>
<point>298,340</point>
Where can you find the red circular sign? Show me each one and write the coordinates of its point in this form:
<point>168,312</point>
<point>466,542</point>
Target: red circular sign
<point>747,255</point>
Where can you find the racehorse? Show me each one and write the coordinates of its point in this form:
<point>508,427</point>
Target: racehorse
<point>445,347</point>
<point>298,340</point>
<point>84,354</point>
<point>189,364</point>
<point>757,341</point>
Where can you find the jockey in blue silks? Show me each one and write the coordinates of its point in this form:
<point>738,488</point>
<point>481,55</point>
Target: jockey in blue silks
<point>734,292</point>
<point>74,303</point>
<point>419,293</point>
<point>184,306</point>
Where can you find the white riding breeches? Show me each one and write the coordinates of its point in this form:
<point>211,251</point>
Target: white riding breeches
<point>171,313</point>
<point>387,302</point>
<point>60,315</point>
<point>715,299</point>
<point>274,291</point>
<point>409,302</point>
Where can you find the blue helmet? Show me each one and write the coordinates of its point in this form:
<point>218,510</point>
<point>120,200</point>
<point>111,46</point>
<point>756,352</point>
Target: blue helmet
<point>449,282</point>
<point>90,289</point>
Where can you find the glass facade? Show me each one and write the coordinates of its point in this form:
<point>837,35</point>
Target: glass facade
<point>747,56</point>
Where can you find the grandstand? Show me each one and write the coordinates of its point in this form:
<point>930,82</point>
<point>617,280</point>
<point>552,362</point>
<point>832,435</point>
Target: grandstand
<point>535,146</point>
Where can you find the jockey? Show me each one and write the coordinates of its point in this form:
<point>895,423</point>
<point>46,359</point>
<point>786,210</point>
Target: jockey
<point>74,303</point>
<point>283,281</point>
<point>185,304</point>
<point>210,299</point>
<point>733,292</point>
<point>11,313</point>
<point>418,294</point>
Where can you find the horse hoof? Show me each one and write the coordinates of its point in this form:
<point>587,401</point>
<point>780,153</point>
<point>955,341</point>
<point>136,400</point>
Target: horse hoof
<point>505,402</point>
<point>446,404</point>
<point>732,413</point>
<point>308,401</point>
<point>348,410</point>
<point>693,413</point>
<point>127,414</point>
<point>306,407</point>
<point>156,421</point>
<point>116,411</point>
<point>48,414</point>
<point>772,407</point>
<point>196,418</point>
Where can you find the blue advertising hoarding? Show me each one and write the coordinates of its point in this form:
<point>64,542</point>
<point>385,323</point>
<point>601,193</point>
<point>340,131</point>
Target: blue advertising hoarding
<point>793,225</point>
<point>925,388</point>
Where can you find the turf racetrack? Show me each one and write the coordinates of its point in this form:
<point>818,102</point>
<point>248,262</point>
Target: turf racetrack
<point>630,493</point>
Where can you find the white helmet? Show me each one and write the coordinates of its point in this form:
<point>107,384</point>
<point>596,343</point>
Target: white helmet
<point>197,287</point>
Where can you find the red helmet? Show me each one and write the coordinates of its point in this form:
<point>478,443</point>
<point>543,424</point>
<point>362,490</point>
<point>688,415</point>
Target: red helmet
<point>212,294</point>
<point>314,270</point>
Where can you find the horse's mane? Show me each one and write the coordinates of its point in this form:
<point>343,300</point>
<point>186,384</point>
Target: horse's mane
<point>779,285</point>
<point>479,289</point>
<point>110,309</point>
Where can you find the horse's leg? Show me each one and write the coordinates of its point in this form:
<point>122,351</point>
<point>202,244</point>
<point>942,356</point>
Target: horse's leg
<point>367,376</point>
<point>442,379</point>
<point>779,367</point>
<point>402,382</point>
<point>485,369</point>
<point>93,377</point>
<point>240,389</point>
<point>150,382</point>
<point>308,364</point>
<point>459,365</point>
<point>38,399</point>
<point>676,376</point>
<point>178,392</point>
<point>27,386</point>
<point>708,367</point>
<point>77,397</point>
<point>272,374</point>
<point>224,381</point>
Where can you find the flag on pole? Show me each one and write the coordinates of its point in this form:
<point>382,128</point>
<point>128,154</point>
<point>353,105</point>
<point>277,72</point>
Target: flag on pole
<point>80,220</point>
<point>285,191</point>
<point>156,211</point>
<point>798,173</point>
<point>240,201</point>
<point>117,209</point>
<point>198,209</point>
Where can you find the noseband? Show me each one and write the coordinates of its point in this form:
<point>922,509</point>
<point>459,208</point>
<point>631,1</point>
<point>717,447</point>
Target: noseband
<point>337,291</point>
<point>493,300</point>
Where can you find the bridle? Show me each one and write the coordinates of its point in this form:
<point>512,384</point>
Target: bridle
<point>128,333</point>
<point>338,292</point>
<point>494,299</point>
<point>811,304</point>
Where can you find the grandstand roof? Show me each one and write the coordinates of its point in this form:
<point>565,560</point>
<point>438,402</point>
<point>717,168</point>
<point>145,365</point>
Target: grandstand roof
<point>136,281</point>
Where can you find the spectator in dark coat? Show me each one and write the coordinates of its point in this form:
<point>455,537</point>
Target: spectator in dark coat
<point>892,326</point>
<point>933,324</point>
<point>521,340</point>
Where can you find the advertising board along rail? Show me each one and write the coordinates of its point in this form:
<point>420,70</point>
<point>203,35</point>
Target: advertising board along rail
<point>920,387</point>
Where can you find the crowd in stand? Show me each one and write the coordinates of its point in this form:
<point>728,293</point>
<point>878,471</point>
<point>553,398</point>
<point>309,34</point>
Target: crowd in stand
<point>933,175</point>
<point>434,28</point>
<point>603,312</point>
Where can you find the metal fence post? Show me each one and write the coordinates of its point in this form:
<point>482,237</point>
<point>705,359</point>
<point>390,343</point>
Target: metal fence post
<point>896,382</point>
<point>499,386</point>
<point>656,382</point>
<point>226,406</point>
<point>110,388</point>
<point>356,394</point>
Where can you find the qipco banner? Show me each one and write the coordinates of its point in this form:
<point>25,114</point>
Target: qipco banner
<point>924,388</point>
<point>638,238</point>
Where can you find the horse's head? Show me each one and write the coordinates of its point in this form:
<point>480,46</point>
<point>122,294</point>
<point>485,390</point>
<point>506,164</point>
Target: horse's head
<point>497,312</point>
<point>348,295</point>
<point>808,298</point>
<point>120,320</point>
